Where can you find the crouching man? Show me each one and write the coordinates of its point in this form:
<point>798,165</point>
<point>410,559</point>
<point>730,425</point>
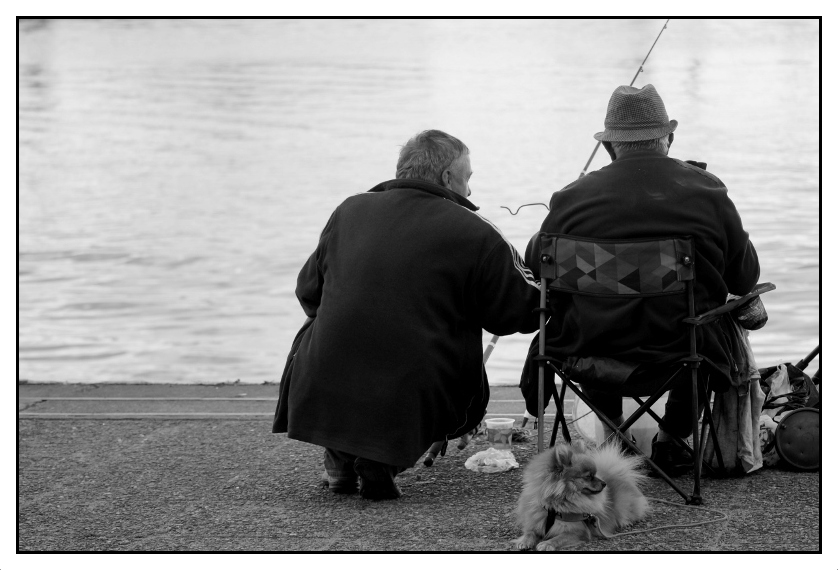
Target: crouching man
<point>398,291</point>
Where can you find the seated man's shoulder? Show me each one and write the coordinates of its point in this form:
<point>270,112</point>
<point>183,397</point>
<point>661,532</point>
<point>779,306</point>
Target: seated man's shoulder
<point>579,185</point>
<point>699,168</point>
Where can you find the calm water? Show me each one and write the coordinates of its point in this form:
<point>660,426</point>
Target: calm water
<point>175,175</point>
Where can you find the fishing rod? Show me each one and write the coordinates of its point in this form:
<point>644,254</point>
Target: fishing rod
<point>598,144</point>
<point>439,447</point>
<point>639,70</point>
<point>494,340</point>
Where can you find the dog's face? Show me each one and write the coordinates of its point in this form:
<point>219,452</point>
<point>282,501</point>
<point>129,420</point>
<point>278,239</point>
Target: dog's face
<point>570,473</point>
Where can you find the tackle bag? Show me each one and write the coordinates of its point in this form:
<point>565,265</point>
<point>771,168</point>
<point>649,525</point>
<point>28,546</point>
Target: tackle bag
<point>790,420</point>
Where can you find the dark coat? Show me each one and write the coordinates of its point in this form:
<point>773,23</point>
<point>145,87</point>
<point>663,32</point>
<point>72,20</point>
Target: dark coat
<point>403,281</point>
<point>647,194</point>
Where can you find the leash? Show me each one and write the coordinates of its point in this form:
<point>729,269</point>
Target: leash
<point>684,525</point>
<point>593,522</point>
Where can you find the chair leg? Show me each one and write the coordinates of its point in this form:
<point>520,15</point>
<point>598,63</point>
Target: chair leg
<point>559,400</point>
<point>542,349</point>
<point>618,432</point>
<point>697,459</point>
<point>705,423</point>
<point>540,426</point>
<point>683,444</point>
<point>556,431</point>
<point>708,414</point>
<point>646,407</point>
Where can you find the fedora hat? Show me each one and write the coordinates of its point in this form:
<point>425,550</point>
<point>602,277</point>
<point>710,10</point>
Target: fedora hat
<point>635,115</point>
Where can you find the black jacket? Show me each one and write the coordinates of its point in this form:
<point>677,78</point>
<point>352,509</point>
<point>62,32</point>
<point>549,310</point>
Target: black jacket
<point>647,194</point>
<point>403,281</point>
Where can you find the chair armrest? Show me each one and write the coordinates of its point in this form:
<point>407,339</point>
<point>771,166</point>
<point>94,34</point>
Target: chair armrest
<point>714,314</point>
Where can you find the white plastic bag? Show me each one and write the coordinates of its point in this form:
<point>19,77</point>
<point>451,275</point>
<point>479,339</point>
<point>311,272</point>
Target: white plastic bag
<point>779,385</point>
<point>492,461</point>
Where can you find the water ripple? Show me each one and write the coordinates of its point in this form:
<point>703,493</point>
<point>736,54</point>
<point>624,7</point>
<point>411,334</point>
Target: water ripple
<point>169,196</point>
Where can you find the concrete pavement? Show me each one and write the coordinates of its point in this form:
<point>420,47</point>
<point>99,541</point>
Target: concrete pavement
<point>195,468</point>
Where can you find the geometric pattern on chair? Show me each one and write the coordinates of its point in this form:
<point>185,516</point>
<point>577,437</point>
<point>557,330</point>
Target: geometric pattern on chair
<point>614,268</point>
<point>623,268</point>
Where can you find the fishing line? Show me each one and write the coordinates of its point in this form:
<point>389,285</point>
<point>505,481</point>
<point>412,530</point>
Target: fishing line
<point>515,213</point>
<point>598,144</point>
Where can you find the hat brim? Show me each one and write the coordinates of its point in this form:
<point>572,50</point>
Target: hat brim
<point>632,135</point>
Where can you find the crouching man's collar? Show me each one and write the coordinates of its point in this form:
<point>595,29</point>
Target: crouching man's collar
<point>435,189</point>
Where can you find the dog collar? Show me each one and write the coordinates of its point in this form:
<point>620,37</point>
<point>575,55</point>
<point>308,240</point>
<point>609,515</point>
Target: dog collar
<point>552,515</point>
<point>574,517</point>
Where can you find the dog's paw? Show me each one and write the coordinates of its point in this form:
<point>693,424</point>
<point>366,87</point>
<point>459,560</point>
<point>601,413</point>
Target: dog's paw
<point>558,543</point>
<point>523,543</point>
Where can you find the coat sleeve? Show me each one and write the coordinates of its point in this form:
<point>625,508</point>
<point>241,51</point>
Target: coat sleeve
<point>310,280</point>
<point>507,292</point>
<point>741,262</point>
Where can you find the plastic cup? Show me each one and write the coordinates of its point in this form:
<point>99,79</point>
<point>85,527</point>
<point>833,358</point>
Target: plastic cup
<point>499,432</point>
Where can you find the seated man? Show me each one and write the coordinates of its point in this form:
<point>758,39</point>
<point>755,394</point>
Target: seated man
<point>644,194</point>
<point>403,282</point>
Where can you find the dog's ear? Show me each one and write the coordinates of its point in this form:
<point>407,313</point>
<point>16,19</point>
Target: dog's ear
<point>564,455</point>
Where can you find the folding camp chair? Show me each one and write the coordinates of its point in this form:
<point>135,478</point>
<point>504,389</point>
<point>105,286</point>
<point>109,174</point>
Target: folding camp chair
<point>630,269</point>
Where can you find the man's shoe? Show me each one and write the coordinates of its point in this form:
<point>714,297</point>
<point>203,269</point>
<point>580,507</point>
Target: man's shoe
<point>379,491</point>
<point>376,483</point>
<point>670,457</point>
<point>344,485</point>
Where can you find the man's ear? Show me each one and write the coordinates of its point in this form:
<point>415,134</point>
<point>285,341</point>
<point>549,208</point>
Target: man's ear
<point>609,149</point>
<point>671,138</point>
<point>446,178</point>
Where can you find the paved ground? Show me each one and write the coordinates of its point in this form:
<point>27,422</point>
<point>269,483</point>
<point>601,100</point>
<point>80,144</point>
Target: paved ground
<point>195,468</point>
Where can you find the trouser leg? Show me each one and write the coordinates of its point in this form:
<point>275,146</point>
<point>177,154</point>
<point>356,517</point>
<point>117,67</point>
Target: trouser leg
<point>605,402</point>
<point>340,471</point>
<point>678,412</point>
<point>608,404</point>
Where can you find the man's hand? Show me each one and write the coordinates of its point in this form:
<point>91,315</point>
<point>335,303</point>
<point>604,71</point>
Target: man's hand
<point>439,447</point>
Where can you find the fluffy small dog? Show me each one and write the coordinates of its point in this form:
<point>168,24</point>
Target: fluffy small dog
<point>575,482</point>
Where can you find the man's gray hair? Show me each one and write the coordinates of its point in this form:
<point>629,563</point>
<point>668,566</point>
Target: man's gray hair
<point>660,145</point>
<point>426,155</point>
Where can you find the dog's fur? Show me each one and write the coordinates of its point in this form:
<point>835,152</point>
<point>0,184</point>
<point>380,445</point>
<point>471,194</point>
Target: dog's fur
<point>572,479</point>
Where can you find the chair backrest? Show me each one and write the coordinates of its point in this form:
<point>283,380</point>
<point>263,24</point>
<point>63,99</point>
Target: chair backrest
<point>636,268</point>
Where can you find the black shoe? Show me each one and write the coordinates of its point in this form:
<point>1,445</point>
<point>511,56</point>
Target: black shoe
<point>374,491</point>
<point>670,457</point>
<point>375,485</point>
